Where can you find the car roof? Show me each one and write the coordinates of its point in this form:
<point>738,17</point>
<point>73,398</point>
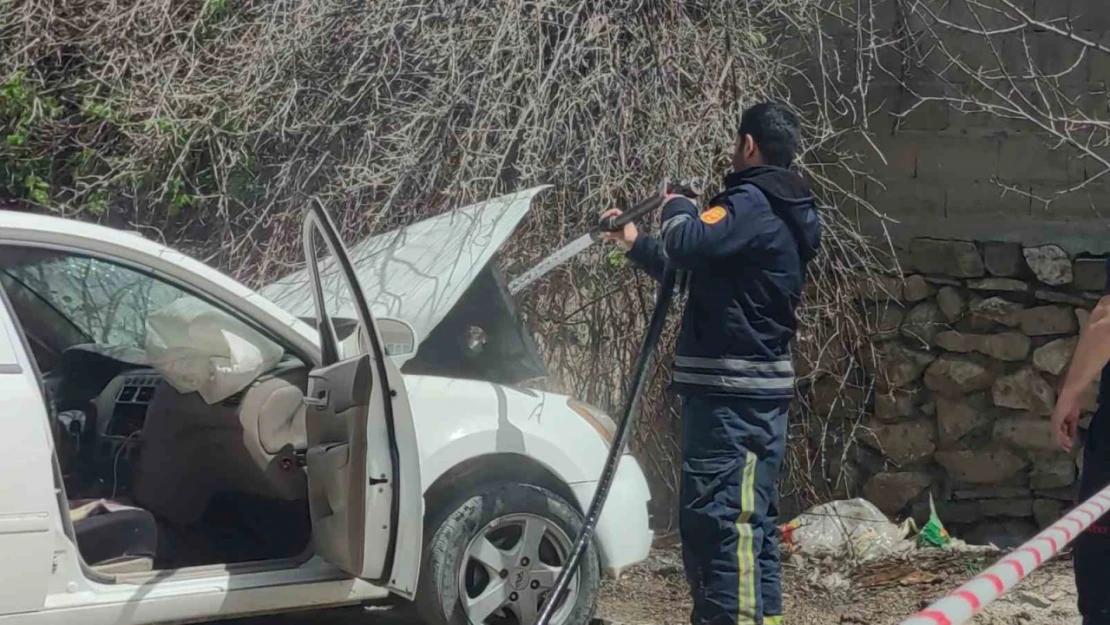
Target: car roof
<point>21,220</point>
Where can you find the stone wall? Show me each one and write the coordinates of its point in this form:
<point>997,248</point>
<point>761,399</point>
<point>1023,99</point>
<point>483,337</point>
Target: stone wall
<point>971,345</point>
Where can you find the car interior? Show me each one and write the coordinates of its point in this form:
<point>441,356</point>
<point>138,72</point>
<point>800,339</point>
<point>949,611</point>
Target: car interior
<point>156,476</point>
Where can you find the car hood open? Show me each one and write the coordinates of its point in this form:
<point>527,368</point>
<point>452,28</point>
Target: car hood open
<point>416,273</point>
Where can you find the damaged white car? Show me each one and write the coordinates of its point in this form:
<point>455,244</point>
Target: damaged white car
<point>180,448</point>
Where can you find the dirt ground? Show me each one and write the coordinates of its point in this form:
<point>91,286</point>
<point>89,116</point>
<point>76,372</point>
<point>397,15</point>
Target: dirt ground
<point>817,593</point>
<point>880,594</point>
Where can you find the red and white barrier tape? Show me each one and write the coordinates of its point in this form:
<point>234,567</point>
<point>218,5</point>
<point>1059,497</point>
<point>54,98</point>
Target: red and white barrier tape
<point>970,599</point>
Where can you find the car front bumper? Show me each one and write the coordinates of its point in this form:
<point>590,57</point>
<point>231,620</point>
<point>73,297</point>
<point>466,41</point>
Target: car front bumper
<point>623,534</point>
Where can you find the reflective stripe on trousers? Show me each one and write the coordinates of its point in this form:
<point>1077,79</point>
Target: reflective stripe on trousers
<point>747,608</point>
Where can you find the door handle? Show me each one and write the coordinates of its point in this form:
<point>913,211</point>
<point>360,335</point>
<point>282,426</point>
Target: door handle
<point>319,402</point>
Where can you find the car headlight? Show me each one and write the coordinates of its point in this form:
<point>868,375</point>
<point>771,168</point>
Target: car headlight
<point>597,419</point>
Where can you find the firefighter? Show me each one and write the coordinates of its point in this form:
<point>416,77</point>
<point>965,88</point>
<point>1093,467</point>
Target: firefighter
<point>1092,548</point>
<point>746,258</point>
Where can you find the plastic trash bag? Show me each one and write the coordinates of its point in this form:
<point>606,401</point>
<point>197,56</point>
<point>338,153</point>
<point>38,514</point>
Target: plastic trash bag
<point>201,349</point>
<point>844,528</point>
<point>933,534</point>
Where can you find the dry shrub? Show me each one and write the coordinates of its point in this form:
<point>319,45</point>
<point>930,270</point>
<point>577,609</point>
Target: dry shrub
<point>209,123</point>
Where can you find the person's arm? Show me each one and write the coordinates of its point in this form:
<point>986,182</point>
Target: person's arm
<point>724,229</point>
<point>643,250</point>
<point>647,254</point>
<point>1090,357</point>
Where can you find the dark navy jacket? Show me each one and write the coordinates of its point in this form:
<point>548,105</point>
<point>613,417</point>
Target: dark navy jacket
<point>747,256</point>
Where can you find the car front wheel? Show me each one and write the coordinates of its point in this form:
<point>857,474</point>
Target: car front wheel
<point>494,559</point>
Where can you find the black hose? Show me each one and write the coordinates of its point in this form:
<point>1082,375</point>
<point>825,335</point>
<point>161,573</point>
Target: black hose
<point>616,450</point>
<point>691,188</point>
<point>613,224</point>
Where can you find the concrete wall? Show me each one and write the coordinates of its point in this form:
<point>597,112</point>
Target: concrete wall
<point>944,169</point>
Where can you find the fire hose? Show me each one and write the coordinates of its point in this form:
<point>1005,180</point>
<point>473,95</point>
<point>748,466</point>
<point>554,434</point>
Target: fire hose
<point>971,598</point>
<point>631,404</point>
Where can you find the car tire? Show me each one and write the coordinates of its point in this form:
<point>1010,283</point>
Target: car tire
<point>458,577</point>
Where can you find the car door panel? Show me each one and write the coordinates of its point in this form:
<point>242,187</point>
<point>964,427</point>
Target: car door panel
<point>345,385</point>
<point>354,461</point>
<point>337,411</point>
<point>27,504</point>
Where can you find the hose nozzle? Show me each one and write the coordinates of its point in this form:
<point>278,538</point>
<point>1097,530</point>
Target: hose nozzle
<point>691,188</point>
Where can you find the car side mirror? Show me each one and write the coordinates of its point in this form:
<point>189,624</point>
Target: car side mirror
<point>398,337</point>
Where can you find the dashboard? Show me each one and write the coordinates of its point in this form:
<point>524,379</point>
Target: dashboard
<point>128,399</point>
<point>122,408</point>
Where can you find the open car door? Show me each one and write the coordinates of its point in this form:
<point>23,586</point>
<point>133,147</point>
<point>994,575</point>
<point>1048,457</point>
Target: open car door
<point>363,468</point>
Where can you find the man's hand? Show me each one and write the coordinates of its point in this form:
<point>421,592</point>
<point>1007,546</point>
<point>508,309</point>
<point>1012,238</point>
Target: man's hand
<point>1065,420</point>
<point>625,237</point>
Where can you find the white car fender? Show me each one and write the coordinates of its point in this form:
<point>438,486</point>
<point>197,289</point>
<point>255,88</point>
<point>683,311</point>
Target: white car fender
<point>457,420</point>
<point>460,420</point>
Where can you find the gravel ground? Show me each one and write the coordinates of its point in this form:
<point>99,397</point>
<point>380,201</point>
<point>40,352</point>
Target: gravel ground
<point>654,593</point>
<point>881,594</point>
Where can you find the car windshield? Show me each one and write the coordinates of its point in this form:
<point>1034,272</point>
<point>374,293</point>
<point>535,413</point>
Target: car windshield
<point>24,298</point>
<point>104,302</point>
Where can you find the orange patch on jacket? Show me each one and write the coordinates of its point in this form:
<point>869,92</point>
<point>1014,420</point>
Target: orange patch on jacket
<point>714,215</point>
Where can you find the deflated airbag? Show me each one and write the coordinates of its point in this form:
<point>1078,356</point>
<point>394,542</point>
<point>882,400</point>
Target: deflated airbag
<point>199,348</point>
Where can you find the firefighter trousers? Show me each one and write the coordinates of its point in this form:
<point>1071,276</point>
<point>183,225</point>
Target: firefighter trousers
<point>732,453</point>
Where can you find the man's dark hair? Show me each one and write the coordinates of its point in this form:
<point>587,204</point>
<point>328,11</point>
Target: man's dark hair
<point>775,130</point>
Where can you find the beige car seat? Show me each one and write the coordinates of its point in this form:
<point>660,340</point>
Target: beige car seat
<point>247,443</point>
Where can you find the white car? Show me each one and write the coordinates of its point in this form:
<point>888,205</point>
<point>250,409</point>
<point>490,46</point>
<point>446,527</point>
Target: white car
<point>178,447</point>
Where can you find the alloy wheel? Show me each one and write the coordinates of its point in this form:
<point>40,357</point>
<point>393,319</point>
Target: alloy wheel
<point>508,569</point>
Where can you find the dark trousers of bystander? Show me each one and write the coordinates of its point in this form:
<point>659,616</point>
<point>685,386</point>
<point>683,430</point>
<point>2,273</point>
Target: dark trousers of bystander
<point>1091,549</point>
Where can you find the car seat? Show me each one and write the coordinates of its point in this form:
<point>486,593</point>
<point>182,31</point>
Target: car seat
<point>114,537</point>
<point>248,443</point>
